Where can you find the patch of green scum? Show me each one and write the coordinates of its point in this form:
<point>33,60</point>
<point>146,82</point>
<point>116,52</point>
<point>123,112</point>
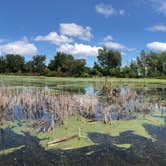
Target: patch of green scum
<point>10,150</point>
<point>137,126</point>
<point>70,129</point>
<point>123,146</point>
<point>118,127</point>
<point>159,114</point>
<point>19,127</point>
<point>72,124</point>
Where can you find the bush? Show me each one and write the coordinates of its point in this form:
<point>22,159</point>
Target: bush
<point>85,75</point>
<point>115,72</point>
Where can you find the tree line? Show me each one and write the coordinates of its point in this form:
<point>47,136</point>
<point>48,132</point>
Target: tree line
<point>109,63</point>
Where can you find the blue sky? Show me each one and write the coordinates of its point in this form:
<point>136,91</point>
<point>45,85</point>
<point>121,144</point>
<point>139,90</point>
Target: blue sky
<point>81,27</point>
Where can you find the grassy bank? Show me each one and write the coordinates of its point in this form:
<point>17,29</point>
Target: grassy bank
<point>68,79</point>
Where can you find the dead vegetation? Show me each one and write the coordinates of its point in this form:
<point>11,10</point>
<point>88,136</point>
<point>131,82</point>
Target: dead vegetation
<point>45,109</point>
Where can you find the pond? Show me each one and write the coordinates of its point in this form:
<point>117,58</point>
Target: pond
<point>46,121</point>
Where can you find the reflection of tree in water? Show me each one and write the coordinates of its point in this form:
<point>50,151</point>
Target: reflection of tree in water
<point>155,94</point>
<point>142,152</point>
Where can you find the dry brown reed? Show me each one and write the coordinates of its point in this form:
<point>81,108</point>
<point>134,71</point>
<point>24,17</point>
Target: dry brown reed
<point>34,104</point>
<point>46,109</point>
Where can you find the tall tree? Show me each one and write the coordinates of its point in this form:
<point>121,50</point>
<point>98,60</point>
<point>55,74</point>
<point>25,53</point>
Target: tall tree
<point>38,63</point>
<point>142,64</point>
<point>152,64</point>
<point>162,64</point>
<point>109,59</point>
<point>14,63</point>
<point>66,64</point>
<point>134,68</point>
<point>61,62</point>
<point>28,67</point>
<point>77,67</point>
<point>2,64</point>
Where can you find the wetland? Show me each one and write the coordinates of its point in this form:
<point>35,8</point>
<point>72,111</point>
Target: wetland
<point>68,121</point>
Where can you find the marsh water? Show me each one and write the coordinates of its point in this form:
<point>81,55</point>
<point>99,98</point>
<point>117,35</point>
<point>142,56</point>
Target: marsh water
<point>25,148</point>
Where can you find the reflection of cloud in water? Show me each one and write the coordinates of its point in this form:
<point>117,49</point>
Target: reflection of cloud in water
<point>90,90</point>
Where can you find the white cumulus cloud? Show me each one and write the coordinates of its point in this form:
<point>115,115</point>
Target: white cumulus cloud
<point>157,46</point>
<point>160,28</point>
<point>22,47</point>
<point>54,38</point>
<point>79,49</point>
<point>108,10</point>
<point>72,29</point>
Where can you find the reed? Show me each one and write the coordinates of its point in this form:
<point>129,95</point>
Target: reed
<point>45,109</point>
<point>34,104</point>
<point>124,105</point>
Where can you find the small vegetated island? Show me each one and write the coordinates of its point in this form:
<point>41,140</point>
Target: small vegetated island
<point>64,120</point>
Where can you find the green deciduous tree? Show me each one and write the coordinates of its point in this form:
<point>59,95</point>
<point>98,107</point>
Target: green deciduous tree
<point>38,63</point>
<point>67,65</point>
<point>61,62</point>
<point>14,63</point>
<point>109,59</point>
<point>2,64</point>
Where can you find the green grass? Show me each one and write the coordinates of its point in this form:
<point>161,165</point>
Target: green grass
<point>77,84</point>
<point>68,79</point>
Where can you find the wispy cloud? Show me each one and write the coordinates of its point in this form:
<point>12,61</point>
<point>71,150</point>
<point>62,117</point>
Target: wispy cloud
<point>3,40</point>
<point>108,38</point>
<point>160,28</point>
<point>115,45</point>
<point>107,10</point>
<point>159,5</point>
<point>108,42</point>
<point>122,12</point>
